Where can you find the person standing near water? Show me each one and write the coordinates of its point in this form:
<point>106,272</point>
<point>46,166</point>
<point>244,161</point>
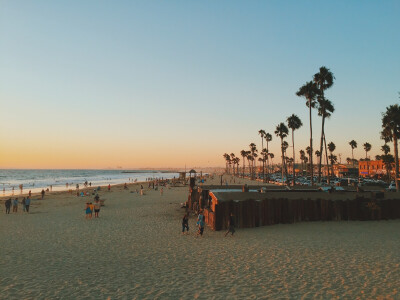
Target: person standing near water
<point>23,204</point>
<point>43,192</point>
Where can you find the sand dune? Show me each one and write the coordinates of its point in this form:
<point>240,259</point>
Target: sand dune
<point>135,250</point>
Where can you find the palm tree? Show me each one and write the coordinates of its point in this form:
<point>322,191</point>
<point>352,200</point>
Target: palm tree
<point>268,138</point>
<point>262,133</point>
<point>391,130</point>
<point>271,155</point>
<point>331,148</point>
<point>348,160</point>
<point>302,156</point>
<point>253,150</point>
<point>310,92</point>
<point>325,110</point>
<point>227,161</point>
<point>282,132</point>
<point>294,123</point>
<point>243,153</point>
<point>353,145</point>
<point>367,148</point>
<point>233,160</point>
<point>324,80</point>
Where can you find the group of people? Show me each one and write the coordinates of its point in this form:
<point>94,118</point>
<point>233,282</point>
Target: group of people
<point>26,202</point>
<point>90,208</point>
<point>200,224</point>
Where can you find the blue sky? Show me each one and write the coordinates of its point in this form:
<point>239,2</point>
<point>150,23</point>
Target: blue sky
<point>164,83</point>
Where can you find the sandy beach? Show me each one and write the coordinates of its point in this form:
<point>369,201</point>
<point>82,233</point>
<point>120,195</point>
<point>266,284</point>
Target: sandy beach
<point>135,250</point>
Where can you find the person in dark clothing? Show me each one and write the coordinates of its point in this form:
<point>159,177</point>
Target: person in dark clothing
<point>8,205</point>
<point>185,223</point>
<point>231,227</point>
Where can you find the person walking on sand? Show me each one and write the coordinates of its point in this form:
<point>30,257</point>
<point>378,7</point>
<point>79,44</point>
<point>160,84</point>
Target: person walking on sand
<point>185,223</point>
<point>23,204</point>
<point>161,191</point>
<point>27,204</point>
<point>200,223</point>
<point>43,192</point>
<point>231,225</point>
<point>7,204</point>
<point>109,187</point>
<point>30,193</point>
<point>15,205</point>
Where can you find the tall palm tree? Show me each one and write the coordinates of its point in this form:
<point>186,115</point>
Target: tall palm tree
<point>302,155</point>
<point>310,92</point>
<point>367,148</point>
<point>282,132</point>
<point>331,148</point>
<point>237,160</point>
<point>353,145</point>
<point>268,138</point>
<point>227,161</point>
<point>243,153</point>
<point>294,123</point>
<point>262,133</point>
<point>264,155</point>
<point>325,110</point>
<point>233,160</point>
<point>253,150</point>
<point>324,80</point>
<point>271,155</point>
<point>391,130</point>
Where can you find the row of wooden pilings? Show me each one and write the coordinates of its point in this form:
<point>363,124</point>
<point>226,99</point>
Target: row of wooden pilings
<point>254,213</point>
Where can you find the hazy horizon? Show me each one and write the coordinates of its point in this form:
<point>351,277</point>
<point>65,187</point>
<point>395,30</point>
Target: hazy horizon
<point>90,84</point>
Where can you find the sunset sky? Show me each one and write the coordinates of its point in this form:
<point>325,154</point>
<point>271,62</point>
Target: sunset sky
<point>99,84</point>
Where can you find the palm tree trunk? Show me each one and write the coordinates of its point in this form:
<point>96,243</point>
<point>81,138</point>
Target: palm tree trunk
<point>321,149</point>
<point>311,149</point>
<point>327,161</point>
<point>352,156</point>
<point>263,160</point>
<point>294,161</point>
<point>282,158</point>
<point>396,161</point>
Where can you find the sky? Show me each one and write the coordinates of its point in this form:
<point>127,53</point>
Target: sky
<point>136,84</point>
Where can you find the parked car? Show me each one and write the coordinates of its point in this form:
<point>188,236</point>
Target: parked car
<point>392,187</point>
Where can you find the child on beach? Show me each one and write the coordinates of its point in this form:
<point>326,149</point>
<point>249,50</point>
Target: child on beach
<point>200,223</point>
<point>88,212</point>
<point>91,209</point>
<point>185,224</point>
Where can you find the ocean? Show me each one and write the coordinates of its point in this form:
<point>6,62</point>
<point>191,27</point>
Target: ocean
<point>36,180</point>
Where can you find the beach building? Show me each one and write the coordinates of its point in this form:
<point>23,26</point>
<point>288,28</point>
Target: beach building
<point>345,170</point>
<point>371,168</point>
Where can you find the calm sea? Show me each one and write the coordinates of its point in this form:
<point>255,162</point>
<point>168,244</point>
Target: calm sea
<point>36,180</point>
